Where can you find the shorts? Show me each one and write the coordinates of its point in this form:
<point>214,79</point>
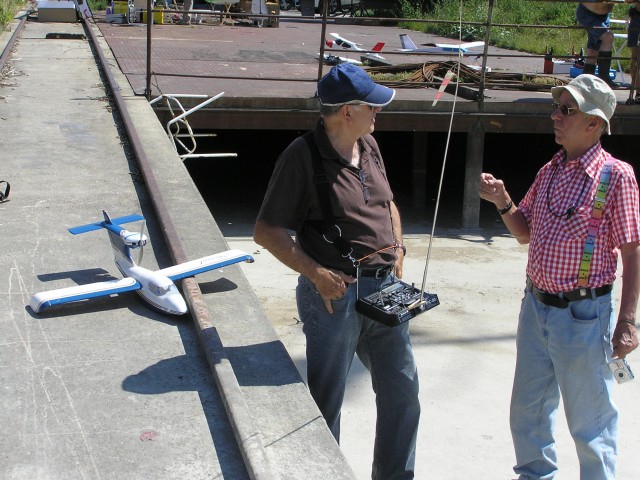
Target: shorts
<point>634,31</point>
<point>586,18</point>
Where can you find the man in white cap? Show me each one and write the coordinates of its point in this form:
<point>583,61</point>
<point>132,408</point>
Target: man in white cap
<point>330,187</point>
<point>581,210</point>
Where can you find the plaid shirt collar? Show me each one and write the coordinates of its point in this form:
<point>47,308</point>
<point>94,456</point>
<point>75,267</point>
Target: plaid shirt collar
<point>591,161</point>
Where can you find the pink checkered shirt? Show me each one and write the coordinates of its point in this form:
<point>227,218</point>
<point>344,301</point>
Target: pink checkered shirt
<point>557,240</point>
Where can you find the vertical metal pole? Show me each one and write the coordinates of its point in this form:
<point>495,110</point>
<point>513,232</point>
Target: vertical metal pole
<point>147,89</point>
<point>323,30</point>
<point>472,171</point>
<point>487,36</point>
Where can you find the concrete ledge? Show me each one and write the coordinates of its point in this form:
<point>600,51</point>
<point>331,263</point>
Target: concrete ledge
<point>296,440</point>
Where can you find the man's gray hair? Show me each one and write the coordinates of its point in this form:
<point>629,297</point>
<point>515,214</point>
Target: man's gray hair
<point>328,110</point>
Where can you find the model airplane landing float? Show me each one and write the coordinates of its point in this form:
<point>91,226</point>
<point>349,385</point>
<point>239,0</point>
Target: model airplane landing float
<point>461,48</point>
<point>155,288</point>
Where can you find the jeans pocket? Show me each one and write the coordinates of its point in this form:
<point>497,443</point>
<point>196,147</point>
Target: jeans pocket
<point>584,311</point>
<point>305,290</point>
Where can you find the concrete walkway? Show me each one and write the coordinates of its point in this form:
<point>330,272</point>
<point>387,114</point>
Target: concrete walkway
<point>109,388</point>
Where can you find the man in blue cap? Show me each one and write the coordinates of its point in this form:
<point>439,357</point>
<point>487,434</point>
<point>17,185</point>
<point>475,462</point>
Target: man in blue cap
<point>330,187</point>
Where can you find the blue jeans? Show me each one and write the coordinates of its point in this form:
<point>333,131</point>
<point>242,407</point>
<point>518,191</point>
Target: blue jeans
<point>332,341</point>
<point>586,18</point>
<point>564,351</point>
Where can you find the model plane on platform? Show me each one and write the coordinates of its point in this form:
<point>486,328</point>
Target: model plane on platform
<point>458,48</point>
<point>156,288</point>
<point>371,57</point>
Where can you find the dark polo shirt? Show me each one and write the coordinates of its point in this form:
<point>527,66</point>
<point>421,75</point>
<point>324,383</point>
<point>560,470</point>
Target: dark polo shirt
<point>291,202</point>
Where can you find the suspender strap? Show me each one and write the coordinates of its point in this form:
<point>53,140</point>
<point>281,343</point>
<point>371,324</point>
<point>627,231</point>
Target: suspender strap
<point>596,216</point>
<point>332,232</point>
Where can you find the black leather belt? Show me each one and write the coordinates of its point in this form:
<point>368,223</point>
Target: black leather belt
<point>562,300</point>
<point>379,272</point>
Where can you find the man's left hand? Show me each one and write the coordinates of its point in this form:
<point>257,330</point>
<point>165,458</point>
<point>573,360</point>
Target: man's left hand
<point>625,339</point>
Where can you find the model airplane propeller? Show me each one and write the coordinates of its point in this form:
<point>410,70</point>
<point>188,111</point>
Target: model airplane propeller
<point>462,48</point>
<point>157,288</point>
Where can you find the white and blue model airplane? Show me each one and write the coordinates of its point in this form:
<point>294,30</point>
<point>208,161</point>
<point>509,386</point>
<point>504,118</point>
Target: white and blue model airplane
<point>156,288</point>
<point>457,48</point>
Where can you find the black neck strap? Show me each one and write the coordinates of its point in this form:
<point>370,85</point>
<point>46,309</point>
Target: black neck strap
<point>330,230</point>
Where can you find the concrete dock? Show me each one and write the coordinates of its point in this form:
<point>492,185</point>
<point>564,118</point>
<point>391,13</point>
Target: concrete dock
<point>109,389</point>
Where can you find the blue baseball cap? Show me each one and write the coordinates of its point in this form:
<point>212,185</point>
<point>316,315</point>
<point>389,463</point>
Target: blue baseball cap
<point>348,83</point>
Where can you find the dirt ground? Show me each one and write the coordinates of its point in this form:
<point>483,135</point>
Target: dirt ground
<point>465,350</point>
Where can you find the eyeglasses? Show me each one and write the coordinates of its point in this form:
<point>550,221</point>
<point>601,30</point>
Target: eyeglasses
<point>564,109</point>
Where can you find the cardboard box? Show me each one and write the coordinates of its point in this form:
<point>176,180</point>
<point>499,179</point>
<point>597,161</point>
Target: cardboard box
<point>562,66</point>
<point>61,12</point>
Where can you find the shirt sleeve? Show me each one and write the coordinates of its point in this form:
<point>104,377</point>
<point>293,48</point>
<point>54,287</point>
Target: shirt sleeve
<point>286,201</point>
<point>625,213</point>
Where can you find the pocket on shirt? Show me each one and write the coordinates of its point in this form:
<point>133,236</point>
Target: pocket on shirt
<point>577,224</point>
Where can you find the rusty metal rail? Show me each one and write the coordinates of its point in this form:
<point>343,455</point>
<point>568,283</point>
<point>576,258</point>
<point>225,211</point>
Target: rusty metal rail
<point>247,436</point>
<point>4,56</point>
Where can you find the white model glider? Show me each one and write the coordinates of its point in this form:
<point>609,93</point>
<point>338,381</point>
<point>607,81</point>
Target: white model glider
<point>157,288</point>
<point>460,48</point>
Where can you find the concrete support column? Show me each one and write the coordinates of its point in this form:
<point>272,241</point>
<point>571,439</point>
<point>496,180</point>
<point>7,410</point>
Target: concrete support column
<point>472,171</point>
<point>419,169</point>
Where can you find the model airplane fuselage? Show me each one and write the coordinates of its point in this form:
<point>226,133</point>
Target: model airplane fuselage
<point>156,288</point>
<point>462,48</point>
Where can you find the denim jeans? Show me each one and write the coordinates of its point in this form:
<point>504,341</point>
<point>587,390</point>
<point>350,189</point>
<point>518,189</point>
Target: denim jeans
<point>564,352</point>
<point>599,24</point>
<point>332,341</point>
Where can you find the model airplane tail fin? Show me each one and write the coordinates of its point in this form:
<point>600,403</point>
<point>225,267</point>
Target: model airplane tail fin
<point>406,42</point>
<point>377,47</point>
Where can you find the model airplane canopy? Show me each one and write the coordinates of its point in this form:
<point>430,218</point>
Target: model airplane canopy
<point>156,288</point>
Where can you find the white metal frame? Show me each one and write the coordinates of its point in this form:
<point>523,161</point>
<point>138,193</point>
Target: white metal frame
<point>617,49</point>
<point>174,126</point>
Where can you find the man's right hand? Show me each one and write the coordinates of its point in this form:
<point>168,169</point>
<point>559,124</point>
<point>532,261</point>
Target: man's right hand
<point>331,285</point>
<point>492,190</point>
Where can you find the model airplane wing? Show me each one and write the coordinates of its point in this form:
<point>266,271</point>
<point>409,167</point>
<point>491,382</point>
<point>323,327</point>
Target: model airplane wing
<point>43,300</point>
<point>409,46</point>
<point>205,264</point>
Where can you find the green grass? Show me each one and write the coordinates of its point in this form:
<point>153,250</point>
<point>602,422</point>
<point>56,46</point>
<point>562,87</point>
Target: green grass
<point>8,9</point>
<point>509,12</point>
<point>97,5</point>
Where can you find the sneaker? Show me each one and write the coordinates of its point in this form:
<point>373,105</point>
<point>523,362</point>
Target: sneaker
<point>637,100</point>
